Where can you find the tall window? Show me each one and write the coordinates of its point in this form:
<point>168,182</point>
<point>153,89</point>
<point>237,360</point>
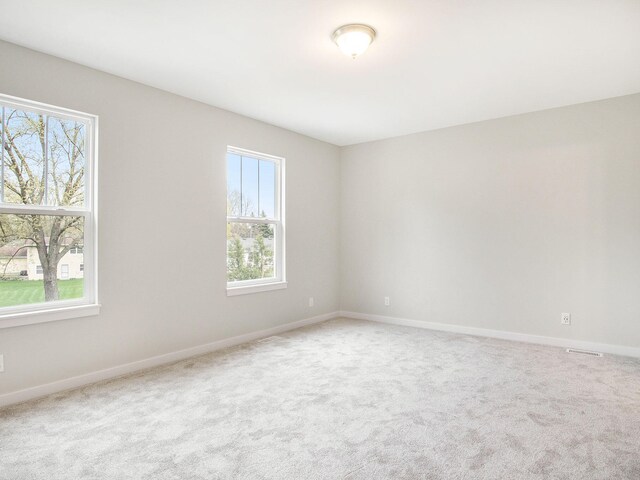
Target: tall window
<point>255,222</point>
<point>47,220</point>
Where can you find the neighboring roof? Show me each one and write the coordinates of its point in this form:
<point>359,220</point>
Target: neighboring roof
<point>14,249</point>
<point>18,248</point>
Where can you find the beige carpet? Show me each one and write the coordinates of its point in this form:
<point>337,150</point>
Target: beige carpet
<point>342,400</point>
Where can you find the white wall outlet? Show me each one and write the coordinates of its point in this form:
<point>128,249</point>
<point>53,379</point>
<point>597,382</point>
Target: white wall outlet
<point>311,302</point>
<point>565,319</point>
<point>387,302</point>
<point>1,362</point>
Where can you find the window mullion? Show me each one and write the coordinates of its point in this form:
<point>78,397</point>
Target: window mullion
<point>241,193</point>
<point>42,210</point>
<point>2,157</point>
<point>45,193</point>
<point>256,220</point>
<point>278,193</point>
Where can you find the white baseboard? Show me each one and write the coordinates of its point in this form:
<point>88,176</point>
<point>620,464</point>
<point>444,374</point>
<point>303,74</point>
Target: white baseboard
<point>113,372</point>
<point>502,334</point>
<point>108,373</point>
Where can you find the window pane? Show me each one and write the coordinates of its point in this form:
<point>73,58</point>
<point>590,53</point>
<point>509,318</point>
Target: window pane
<point>1,153</point>
<point>267,189</point>
<point>24,154</point>
<point>249,187</point>
<point>66,162</point>
<point>250,251</point>
<point>234,195</point>
<point>36,267</point>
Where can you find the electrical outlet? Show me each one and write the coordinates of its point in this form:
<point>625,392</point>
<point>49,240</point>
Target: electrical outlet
<point>387,302</point>
<point>311,302</point>
<point>1,362</point>
<point>565,319</point>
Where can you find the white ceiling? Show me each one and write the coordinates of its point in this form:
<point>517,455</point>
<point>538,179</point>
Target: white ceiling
<point>435,63</point>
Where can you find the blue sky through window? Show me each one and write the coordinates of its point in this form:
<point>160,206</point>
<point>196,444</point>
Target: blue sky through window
<point>267,188</point>
<point>251,186</point>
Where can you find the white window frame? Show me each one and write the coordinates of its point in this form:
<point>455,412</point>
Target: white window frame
<point>62,309</point>
<point>279,281</point>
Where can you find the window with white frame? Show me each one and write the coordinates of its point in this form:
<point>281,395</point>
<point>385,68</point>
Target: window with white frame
<point>255,222</point>
<point>47,208</point>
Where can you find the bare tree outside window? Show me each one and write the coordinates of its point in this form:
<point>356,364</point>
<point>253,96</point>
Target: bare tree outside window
<point>43,164</point>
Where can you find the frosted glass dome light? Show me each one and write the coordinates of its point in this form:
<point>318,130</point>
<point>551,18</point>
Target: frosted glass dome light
<point>354,39</point>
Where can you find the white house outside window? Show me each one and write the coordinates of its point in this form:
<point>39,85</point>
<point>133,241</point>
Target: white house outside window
<point>255,222</point>
<point>47,212</point>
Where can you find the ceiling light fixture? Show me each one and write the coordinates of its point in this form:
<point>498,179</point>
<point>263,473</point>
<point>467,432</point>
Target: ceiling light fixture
<point>354,39</point>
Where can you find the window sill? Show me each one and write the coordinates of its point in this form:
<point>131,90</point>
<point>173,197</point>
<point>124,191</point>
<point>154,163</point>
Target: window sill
<point>263,287</point>
<point>50,315</point>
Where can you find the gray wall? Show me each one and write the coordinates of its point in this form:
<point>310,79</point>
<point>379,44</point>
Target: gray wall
<point>162,226</point>
<point>501,224</point>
